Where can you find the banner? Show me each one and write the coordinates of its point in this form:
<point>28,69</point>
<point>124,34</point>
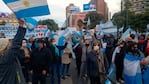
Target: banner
<point>28,8</point>
<point>11,31</point>
<point>89,7</point>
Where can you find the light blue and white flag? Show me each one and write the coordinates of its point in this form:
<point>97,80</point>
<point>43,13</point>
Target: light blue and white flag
<point>31,24</point>
<point>146,75</point>
<point>132,70</point>
<point>111,75</point>
<point>127,33</point>
<point>28,8</point>
<point>47,32</point>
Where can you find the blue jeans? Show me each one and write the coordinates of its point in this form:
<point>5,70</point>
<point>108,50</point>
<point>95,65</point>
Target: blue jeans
<point>38,77</point>
<point>56,70</point>
<point>65,69</point>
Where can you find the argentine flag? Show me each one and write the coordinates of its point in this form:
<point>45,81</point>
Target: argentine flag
<point>132,70</point>
<point>28,8</point>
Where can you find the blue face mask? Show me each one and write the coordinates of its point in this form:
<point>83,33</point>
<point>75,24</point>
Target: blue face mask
<point>28,45</point>
<point>136,51</point>
<point>36,45</point>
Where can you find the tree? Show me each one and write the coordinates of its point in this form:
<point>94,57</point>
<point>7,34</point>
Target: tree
<point>52,25</point>
<point>95,18</point>
<point>141,21</point>
<point>119,19</point>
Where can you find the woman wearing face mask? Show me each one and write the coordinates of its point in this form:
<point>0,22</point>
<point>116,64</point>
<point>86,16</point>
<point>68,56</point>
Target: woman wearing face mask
<point>95,63</point>
<point>117,59</point>
<point>25,61</point>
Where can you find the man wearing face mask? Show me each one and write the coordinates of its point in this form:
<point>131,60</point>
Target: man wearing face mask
<point>95,63</point>
<point>132,68</point>
<point>56,60</point>
<point>40,58</point>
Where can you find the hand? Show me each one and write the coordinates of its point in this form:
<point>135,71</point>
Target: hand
<point>143,62</point>
<point>27,56</point>
<point>21,22</point>
<point>31,72</point>
<point>67,40</point>
<point>44,72</point>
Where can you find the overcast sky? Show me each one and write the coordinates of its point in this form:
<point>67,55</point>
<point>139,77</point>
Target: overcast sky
<point>57,8</point>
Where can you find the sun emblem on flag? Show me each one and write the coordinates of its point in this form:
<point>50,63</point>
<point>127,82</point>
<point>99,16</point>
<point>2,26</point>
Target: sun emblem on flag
<point>26,3</point>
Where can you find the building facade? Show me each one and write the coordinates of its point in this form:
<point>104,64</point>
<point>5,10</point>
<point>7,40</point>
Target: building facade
<point>10,18</point>
<point>73,14</point>
<point>137,6</point>
<point>101,8</point>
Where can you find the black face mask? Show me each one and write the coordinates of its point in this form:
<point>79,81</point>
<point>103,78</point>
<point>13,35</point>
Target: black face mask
<point>87,44</point>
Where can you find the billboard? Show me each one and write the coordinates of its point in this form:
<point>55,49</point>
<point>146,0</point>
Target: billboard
<point>74,10</point>
<point>89,7</point>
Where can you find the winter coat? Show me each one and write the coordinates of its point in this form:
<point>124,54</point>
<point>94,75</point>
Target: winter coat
<point>10,69</point>
<point>65,58</point>
<point>95,64</point>
<point>40,60</point>
<point>85,50</point>
<point>57,59</point>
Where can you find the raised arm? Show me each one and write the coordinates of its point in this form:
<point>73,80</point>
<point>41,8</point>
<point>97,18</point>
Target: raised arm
<point>17,41</point>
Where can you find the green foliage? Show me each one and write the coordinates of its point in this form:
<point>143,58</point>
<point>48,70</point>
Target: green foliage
<point>135,21</point>
<point>95,18</point>
<point>52,25</point>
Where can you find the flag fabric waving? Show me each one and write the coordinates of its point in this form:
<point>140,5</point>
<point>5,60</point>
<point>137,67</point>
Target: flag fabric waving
<point>28,8</point>
<point>132,69</point>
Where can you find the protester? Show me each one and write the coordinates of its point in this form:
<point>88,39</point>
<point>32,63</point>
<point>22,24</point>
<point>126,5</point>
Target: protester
<point>56,60</point>
<point>86,48</point>
<point>132,69</point>
<point>40,58</point>
<point>77,49</point>
<point>10,68</point>
<point>26,60</point>
<point>66,60</point>
<point>109,48</point>
<point>118,59</point>
<point>95,63</point>
<point>146,46</point>
<point>141,40</point>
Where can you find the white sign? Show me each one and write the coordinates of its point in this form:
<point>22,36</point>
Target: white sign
<point>37,32</point>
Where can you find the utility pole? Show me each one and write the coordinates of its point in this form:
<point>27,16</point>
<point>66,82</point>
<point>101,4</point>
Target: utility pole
<point>126,14</point>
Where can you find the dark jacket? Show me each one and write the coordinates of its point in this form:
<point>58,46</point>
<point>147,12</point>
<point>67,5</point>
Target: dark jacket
<point>10,69</point>
<point>92,64</point>
<point>40,60</point>
<point>57,59</point>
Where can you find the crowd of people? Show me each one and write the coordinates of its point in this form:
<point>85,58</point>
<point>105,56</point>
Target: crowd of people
<point>32,60</point>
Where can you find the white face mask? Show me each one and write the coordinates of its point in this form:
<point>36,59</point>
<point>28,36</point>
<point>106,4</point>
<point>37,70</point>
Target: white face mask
<point>54,43</point>
<point>96,48</point>
<point>24,44</point>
